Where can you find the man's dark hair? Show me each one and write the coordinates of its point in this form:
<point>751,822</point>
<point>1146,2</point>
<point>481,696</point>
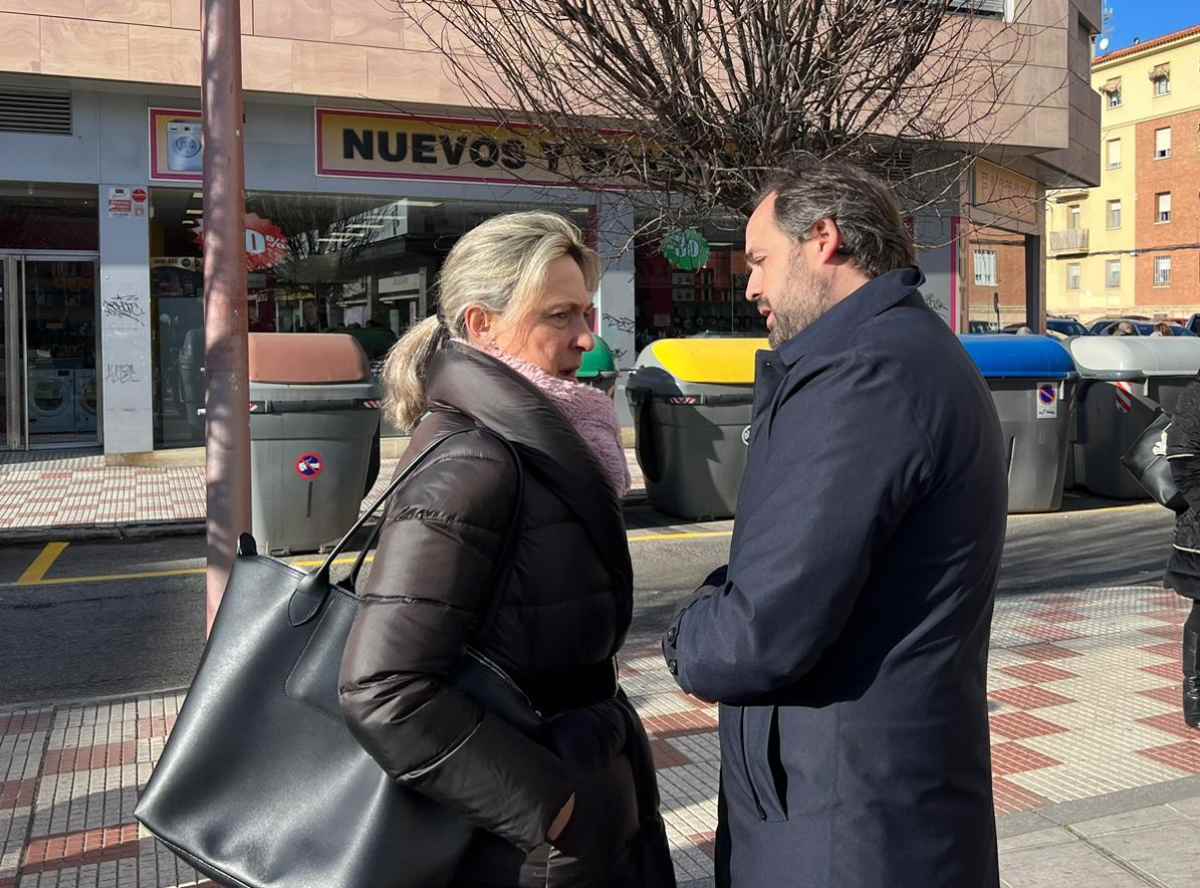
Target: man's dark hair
<point>874,235</point>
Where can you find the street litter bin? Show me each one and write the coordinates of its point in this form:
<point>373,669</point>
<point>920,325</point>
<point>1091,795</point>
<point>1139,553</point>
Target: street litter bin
<point>314,421</point>
<point>599,368</point>
<point>691,401</point>
<point>1124,380</point>
<point>1033,383</point>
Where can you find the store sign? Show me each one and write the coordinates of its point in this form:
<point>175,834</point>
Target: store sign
<point>266,243</point>
<point>1003,193</point>
<point>396,146</point>
<point>176,145</point>
<point>686,250</point>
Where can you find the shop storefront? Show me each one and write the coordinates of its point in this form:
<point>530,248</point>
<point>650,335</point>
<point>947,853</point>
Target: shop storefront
<point>349,216</point>
<point>49,315</point>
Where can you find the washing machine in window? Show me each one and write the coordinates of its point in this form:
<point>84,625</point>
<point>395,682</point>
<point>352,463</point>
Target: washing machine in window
<point>86,403</point>
<point>51,401</point>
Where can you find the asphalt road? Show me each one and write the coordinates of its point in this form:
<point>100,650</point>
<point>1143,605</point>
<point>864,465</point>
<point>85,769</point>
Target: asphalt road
<point>111,617</point>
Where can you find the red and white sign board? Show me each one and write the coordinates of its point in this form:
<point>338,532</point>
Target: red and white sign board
<point>309,466</point>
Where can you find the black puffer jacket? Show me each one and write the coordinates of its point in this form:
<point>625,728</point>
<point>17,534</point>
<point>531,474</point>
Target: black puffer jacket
<point>1183,454</point>
<point>557,625</point>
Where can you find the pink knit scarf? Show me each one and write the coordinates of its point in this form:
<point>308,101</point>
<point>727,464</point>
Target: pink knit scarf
<point>589,411</point>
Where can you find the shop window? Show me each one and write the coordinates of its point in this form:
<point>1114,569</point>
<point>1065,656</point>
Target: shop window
<point>316,263</point>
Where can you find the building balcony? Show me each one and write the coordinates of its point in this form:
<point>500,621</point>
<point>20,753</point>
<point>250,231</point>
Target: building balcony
<point>1072,240</point>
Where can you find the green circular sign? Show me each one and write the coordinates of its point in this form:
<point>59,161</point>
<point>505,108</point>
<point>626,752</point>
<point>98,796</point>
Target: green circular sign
<point>687,250</point>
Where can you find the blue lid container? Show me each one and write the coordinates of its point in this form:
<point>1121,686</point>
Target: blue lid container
<point>1018,357</point>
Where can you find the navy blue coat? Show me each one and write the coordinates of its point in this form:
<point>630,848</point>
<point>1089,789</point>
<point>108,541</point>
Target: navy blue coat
<point>847,639</point>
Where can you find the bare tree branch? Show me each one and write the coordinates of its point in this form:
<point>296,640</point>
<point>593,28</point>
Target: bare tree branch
<point>690,105</point>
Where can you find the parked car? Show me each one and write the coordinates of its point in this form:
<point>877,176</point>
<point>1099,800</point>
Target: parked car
<point>1193,324</point>
<point>1141,328</point>
<point>1066,327</point>
<point>1101,324</point>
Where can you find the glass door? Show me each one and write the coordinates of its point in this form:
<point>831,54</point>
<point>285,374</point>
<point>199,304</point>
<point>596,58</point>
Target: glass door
<point>49,387</point>
<point>60,351</point>
<point>12,420</point>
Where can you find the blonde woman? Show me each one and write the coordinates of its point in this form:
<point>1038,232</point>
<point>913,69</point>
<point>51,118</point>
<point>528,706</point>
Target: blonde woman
<point>577,804</point>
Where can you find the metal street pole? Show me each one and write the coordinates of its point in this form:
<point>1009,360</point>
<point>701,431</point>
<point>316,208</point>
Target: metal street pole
<point>227,415</point>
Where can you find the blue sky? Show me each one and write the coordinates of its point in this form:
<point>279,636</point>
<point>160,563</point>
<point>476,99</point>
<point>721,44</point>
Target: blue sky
<point>1148,19</point>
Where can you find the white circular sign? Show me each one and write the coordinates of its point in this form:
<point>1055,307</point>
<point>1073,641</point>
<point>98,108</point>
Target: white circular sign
<point>746,436</point>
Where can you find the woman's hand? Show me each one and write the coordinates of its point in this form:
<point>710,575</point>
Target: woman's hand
<point>561,821</point>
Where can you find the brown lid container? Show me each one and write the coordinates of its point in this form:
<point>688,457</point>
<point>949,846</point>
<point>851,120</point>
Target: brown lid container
<point>307,359</point>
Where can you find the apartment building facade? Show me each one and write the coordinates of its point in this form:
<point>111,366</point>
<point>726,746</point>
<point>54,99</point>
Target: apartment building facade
<point>364,163</point>
<point>1132,245</point>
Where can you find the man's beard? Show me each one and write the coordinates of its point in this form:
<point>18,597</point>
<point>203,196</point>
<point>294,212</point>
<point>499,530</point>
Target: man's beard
<point>804,298</point>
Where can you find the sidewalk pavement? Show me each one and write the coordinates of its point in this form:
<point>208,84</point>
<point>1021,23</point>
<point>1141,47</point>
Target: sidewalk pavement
<point>60,494</point>
<point>1096,776</point>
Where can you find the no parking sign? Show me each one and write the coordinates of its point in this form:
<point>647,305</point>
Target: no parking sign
<point>309,466</point>
<point>1047,400</point>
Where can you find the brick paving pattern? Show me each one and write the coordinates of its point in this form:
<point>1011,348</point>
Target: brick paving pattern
<point>1071,720</point>
<point>66,489</point>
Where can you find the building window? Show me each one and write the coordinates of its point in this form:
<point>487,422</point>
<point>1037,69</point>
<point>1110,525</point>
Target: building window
<point>1112,89</point>
<point>1162,143</point>
<point>1114,214</point>
<point>1073,276</point>
<point>1113,148</point>
<point>1162,271</point>
<point>1073,217</point>
<point>1162,207</point>
<point>1112,273</point>
<point>985,268</point>
<point>1162,81</point>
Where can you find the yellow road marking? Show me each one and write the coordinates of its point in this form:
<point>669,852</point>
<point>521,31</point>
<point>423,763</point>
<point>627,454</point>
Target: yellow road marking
<point>35,573</point>
<point>686,535</point>
<point>30,578</point>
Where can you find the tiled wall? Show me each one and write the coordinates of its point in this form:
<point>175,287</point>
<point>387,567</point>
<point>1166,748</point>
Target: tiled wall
<point>351,48</point>
<point>362,49</point>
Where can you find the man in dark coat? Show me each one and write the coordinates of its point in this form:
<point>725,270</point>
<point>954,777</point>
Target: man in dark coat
<point>847,638</point>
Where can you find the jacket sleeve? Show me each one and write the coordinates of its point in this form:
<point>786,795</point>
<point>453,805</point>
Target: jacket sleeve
<point>841,463</point>
<point>429,587</point>
<point>1183,445</point>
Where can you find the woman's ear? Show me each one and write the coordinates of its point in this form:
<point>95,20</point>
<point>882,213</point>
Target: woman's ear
<point>479,323</point>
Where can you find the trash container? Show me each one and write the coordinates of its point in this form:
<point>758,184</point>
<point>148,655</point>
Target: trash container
<point>691,401</point>
<point>1033,383</point>
<point>314,419</point>
<point>599,368</point>
<point>1124,379</point>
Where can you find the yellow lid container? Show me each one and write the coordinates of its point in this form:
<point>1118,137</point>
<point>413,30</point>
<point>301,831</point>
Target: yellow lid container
<point>719,360</point>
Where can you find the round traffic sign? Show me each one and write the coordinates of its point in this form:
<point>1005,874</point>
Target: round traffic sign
<point>309,466</point>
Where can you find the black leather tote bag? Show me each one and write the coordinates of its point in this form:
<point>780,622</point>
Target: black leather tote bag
<point>1147,461</point>
<point>261,784</point>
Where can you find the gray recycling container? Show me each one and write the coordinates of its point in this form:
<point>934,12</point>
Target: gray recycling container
<point>1124,380</point>
<point>314,420</point>
<point>691,401</point>
<point>1033,383</point>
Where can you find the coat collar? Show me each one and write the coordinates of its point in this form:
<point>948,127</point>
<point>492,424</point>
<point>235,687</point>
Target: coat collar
<point>495,395</point>
<point>839,323</point>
